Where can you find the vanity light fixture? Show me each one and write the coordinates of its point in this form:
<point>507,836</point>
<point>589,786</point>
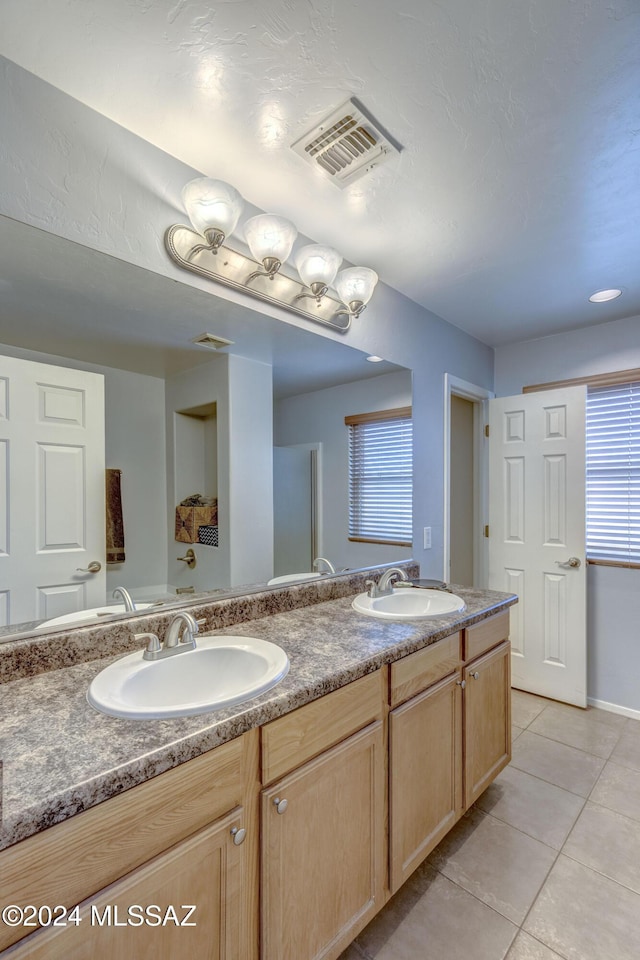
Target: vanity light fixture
<point>214,208</point>
<point>602,296</point>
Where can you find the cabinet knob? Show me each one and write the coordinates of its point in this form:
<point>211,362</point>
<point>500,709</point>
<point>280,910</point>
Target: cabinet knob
<point>280,805</point>
<point>238,834</point>
<point>461,683</point>
<point>475,676</point>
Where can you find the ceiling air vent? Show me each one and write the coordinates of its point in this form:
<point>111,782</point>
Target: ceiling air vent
<point>214,343</point>
<point>346,144</point>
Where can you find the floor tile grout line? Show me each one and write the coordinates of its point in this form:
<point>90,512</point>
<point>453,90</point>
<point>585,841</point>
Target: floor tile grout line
<point>537,895</point>
<point>624,766</point>
<point>589,753</point>
<point>555,953</point>
<point>563,743</point>
<point>599,803</point>
<point>599,873</point>
<point>475,897</point>
<point>524,833</point>
<point>552,783</point>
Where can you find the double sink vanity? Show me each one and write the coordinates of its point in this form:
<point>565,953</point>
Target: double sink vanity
<point>286,821</point>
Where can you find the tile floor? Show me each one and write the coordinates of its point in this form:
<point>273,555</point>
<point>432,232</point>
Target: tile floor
<point>545,865</point>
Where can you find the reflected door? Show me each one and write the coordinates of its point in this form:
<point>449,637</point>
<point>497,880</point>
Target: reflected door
<point>295,543</point>
<point>52,508</point>
<point>537,536</point>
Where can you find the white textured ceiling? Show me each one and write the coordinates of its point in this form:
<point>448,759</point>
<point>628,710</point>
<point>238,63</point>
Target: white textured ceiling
<point>517,193</point>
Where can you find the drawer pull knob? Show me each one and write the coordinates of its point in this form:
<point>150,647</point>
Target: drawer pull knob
<point>280,805</point>
<point>476,675</point>
<point>461,683</point>
<point>238,834</point>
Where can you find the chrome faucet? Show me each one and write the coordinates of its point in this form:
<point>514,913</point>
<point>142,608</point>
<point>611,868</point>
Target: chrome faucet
<point>172,637</point>
<point>328,564</point>
<point>384,586</point>
<point>129,605</point>
<point>174,642</point>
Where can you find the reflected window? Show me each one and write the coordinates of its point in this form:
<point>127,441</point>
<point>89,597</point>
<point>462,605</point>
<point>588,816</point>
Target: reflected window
<point>381,476</point>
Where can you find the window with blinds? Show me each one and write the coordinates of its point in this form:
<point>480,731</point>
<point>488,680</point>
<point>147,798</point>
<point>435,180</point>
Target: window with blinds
<point>613,473</point>
<point>381,476</point>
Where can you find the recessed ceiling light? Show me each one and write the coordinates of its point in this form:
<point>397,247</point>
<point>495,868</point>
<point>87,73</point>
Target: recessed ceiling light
<point>601,296</point>
<point>375,359</point>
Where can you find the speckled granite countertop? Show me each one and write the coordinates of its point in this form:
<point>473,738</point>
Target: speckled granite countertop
<point>60,756</point>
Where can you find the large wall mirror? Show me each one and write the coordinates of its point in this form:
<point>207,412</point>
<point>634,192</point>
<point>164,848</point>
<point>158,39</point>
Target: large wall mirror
<point>179,419</point>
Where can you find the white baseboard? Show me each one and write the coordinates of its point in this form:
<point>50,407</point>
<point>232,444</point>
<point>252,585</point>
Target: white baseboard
<point>614,708</point>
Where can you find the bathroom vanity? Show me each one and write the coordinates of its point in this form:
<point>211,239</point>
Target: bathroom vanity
<point>286,822</point>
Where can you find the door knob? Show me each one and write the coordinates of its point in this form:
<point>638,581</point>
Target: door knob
<point>574,562</point>
<point>94,567</point>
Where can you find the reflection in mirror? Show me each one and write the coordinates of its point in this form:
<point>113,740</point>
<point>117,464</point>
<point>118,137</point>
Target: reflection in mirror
<point>254,429</point>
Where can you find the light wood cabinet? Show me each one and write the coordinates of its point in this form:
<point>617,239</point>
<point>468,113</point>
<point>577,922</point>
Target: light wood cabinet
<point>323,850</point>
<point>425,788</point>
<point>323,822</point>
<point>199,878</point>
<point>487,720</point>
<point>448,742</point>
<point>167,841</point>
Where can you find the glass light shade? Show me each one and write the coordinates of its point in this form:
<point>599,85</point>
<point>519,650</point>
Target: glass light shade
<point>356,283</point>
<point>317,264</point>
<point>212,205</point>
<point>270,236</point>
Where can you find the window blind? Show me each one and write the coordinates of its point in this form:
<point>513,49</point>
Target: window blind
<point>381,479</point>
<point>613,473</point>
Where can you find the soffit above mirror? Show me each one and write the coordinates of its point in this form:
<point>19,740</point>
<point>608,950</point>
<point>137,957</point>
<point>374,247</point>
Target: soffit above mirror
<point>64,299</point>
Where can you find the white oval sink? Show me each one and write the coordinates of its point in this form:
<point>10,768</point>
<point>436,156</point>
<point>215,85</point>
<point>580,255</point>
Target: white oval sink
<point>409,603</point>
<point>292,578</point>
<point>91,615</point>
<point>220,672</point>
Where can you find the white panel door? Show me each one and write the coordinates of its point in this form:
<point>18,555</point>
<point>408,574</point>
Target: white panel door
<point>537,536</point>
<point>52,509</point>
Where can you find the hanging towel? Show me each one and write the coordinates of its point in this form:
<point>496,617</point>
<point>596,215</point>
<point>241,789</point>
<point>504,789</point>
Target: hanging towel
<point>115,524</point>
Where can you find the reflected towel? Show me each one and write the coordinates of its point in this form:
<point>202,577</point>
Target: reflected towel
<point>115,524</point>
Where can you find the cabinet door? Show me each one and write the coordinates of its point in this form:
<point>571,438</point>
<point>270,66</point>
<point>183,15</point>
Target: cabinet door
<point>425,792</point>
<point>204,872</point>
<point>487,720</point>
<point>323,851</point>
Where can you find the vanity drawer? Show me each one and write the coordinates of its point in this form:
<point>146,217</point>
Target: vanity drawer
<point>306,732</point>
<point>419,670</point>
<point>486,634</point>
